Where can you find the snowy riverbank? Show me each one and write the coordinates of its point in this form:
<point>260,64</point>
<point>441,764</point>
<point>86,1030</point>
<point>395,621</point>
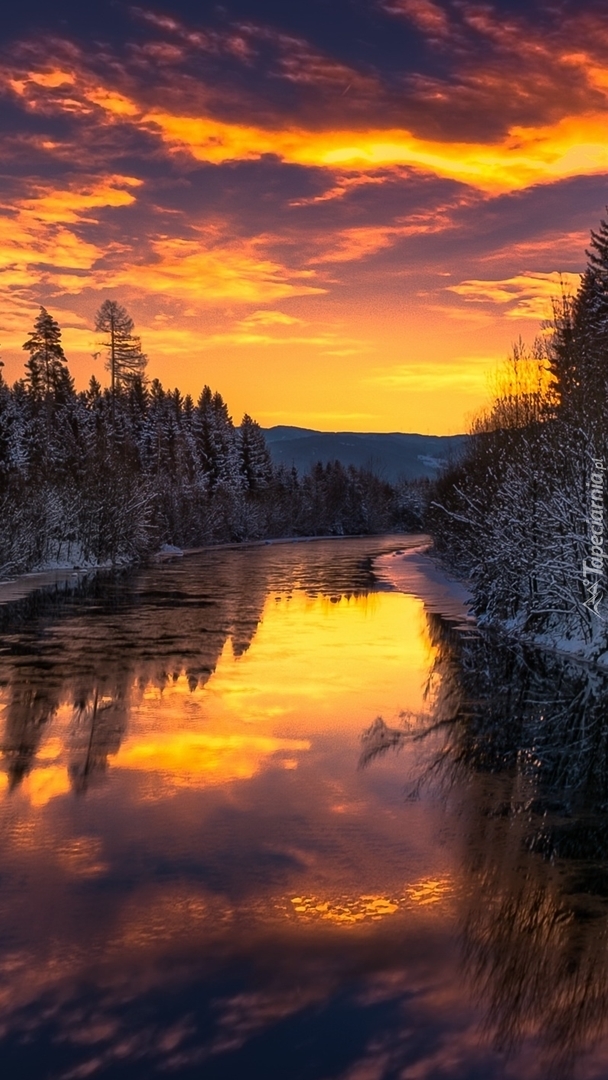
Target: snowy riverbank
<point>416,571</point>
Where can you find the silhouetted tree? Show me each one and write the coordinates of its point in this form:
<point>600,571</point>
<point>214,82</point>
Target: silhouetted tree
<point>46,370</point>
<point>126,362</point>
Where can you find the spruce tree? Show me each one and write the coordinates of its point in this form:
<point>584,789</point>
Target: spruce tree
<point>47,373</point>
<point>256,465</point>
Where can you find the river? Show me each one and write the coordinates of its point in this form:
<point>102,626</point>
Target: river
<point>263,815</point>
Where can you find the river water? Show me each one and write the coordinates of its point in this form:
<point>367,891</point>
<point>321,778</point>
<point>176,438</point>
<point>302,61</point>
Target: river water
<point>262,816</point>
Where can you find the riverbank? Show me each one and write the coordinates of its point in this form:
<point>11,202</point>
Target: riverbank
<point>415,571</point>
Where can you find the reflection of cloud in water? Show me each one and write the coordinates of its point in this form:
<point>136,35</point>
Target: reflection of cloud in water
<point>355,910</point>
<point>164,929</point>
<point>82,856</point>
<point>187,760</point>
<point>46,783</point>
<point>344,910</point>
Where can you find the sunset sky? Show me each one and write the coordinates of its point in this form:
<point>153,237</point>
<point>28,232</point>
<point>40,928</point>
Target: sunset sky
<point>338,213</point>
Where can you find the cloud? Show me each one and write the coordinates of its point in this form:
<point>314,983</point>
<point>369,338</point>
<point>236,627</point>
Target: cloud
<point>269,318</point>
<point>232,42</point>
<point>424,14</point>
<point>529,294</point>
<point>522,157</point>
<point>328,342</point>
<point>209,269</point>
<point>345,185</point>
<point>546,125</point>
<point>359,242</point>
<point>561,247</point>
<point>42,245</point>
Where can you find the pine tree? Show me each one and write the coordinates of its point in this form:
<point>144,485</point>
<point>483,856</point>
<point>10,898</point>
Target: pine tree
<point>126,362</point>
<point>47,373</point>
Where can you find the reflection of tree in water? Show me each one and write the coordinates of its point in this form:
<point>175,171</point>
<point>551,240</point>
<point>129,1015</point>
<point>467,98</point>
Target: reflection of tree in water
<point>523,749</point>
<point>97,648</point>
<point>31,709</point>
<point>97,729</point>
<point>97,644</point>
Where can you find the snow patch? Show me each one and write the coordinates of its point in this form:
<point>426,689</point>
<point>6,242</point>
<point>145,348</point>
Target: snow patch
<point>417,573</point>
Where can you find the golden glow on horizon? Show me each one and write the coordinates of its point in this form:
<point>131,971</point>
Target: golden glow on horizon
<point>410,363</point>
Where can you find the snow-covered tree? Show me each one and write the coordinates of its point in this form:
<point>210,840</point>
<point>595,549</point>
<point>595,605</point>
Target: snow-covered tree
<point>255,462</point>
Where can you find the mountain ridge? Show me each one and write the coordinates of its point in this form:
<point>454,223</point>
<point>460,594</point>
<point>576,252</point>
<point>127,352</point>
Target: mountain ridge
<point>393,455</point>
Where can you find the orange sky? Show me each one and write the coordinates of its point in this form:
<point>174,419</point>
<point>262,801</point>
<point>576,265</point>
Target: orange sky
<point>339,231</point>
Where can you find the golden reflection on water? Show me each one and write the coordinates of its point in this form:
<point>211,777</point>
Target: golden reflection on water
<point>314,666</point>
<point>307,671</point>
<point>180,796</point>
<point>325,664</point>
<point>45,783</point>
<point>295,700</point>
<point>166,809</point>
<point>353,910</point>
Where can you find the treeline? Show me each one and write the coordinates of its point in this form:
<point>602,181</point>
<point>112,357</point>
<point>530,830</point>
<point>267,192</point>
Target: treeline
<point>522,514</point>
<point>114,474</point>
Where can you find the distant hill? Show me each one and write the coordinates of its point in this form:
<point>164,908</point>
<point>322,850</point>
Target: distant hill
<point>392,456</point>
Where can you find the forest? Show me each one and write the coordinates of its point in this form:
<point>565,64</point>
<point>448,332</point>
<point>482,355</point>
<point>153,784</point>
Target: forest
<point>521,514</point>
<point>110,476</point>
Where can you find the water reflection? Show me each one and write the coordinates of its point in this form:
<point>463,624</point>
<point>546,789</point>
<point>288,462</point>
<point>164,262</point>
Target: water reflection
<point>100,647</point>
<point>190,906</point>
<point>197,878</point>
<point>522,757</point>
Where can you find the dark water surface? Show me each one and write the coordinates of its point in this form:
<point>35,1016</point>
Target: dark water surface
<point>208,870</point>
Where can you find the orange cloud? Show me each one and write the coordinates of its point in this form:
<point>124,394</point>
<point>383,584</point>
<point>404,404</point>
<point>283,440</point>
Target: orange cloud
<point>269,318</point>
<point>530,293</point>
<point>214,270</point>
<point>524,156</point>
<point>426,15</point>
<point>344,186</point>
<point>353,244</point>
<point>573,144</point>
<point>70,204</point>
<point>40,243</point>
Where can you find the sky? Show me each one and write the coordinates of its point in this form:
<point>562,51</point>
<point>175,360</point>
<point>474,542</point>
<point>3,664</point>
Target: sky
<point>341,214</point>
